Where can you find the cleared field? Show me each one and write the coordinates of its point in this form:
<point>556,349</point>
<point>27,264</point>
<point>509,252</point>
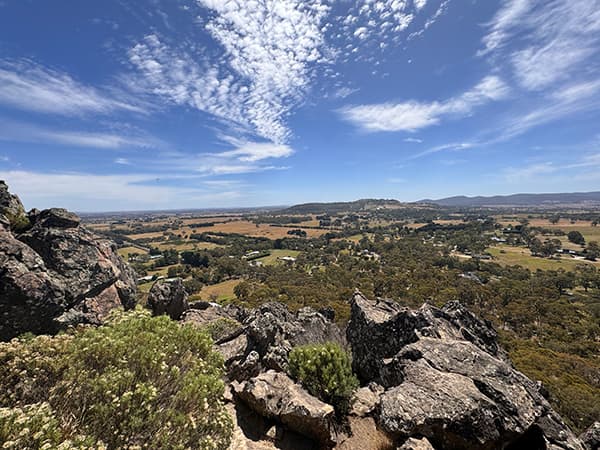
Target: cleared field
<point>357,237</point>
<point>512,256</point>
<point>153,235</point>
<point>262,230</point>
<point>161,270</point>
<point>125,251</point>
<point>220,292</point>
<point>273,258</point>
<point>193,220</point>
<point>166,245</point>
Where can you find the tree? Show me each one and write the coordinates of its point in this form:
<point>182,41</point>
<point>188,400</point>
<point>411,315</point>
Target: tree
<point>550,247</point>
<point>592,252</point>
<point>576,237</point>
<point>536,247</point>
<point>586,276</point>
<point>554,219</point>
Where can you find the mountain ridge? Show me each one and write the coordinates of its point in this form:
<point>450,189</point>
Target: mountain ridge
<point>520,199</point>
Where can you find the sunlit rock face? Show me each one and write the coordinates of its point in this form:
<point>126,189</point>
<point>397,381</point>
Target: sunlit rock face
<point>55,273</point>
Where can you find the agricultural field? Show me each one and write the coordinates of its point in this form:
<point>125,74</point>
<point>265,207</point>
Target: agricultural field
<point>248,228</point>
<point>181,247</point>
<point>124,252</point>
<point>512,256</point>
<point>219,292</point>
<point>274,257</point>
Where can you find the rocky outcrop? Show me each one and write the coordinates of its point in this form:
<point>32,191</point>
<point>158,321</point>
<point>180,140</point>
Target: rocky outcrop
<point>274,395</point>
<point>168,297</point>
<point>433,378</point>
<point>591,437</point>
<point>265,335</point>
<point>447,379</point>
<point>10,205</point>
<point>55,273</point>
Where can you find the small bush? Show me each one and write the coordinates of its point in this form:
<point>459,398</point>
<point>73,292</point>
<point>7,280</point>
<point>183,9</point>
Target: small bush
<point>139,382</point>
<point>221,327</point>
<point>18,222</point>
<point>36,427</point>
<point>326,372</point>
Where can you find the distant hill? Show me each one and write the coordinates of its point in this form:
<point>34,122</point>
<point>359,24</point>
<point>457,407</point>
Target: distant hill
<point>337,207</point>
<point>530,200</point>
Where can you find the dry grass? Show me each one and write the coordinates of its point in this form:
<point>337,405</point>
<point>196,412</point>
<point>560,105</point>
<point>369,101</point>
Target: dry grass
<point>153,235</point>
<point>220,292</point>
<point>512,256</point>
<point>125,251</point>
<point>181,247</point>
<point>262,230</point>
<point>273,258</point>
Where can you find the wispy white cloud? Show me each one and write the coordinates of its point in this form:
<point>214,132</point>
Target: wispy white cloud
<point>582,168</point>
<point>93,192</point>
<point>23,132</point>
<point>549,41</point>
<point>413,140</point>
<point>414,115</point>
<point>520,174</point>
<point>396,180</point>
<point>270,51</point>
<point>566,101</point>
<point>32,87</point>
<point>252,151</point>
<point>344,92</point>
<point>246,157</point>
<point>122,161</point>
<point>455,146</point>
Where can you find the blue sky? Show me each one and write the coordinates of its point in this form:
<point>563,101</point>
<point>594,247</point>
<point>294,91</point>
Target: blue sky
<point>156,104</point>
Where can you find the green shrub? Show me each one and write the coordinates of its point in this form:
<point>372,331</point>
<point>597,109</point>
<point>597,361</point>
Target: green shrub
<point>18,222</point>
<point>30,366</point>
<point>326,372</point>
<point>138,382</point>
<point>221,327</point>
<point>36,427</point>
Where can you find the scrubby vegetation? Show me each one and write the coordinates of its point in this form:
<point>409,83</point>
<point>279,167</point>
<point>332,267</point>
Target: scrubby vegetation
<point>18,222</point>
<point>138,382</point>
<point>516,269</point>
<point>326,372</point>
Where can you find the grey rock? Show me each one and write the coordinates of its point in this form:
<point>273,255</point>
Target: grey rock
<point>54,218</point>
<point>416,444</point>
<point>168,297</point>
<point>234,349</point>
<point>448,380</point>
<point>246,368</point>
<point>10,204</point>
<point>591,437</point>
<point>365,400</point>
<point>273,331</point>
<point>54,277</point>
<point>274,395</point>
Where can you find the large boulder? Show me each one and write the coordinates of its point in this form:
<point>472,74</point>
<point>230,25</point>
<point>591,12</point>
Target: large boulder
<point>274,395</point>
<point>56,274</point>
<point>591,437</point>
<point>168,297</point>
<point>447,379</point>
